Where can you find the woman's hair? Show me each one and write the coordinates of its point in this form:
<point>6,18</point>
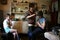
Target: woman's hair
<point>8,14</point>
<point>31,5</point>
<point>40,13</point>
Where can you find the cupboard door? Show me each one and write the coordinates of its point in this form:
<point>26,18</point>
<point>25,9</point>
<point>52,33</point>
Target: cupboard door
<point>3,2</point>
<point>1,20</point>
<point>59,18</point>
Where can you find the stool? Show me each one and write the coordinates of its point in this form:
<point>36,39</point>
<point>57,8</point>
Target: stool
<point>40,36</point>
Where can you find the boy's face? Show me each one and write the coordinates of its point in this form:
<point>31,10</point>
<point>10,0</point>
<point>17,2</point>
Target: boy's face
<point>12,17</point>
<point>39,16</point>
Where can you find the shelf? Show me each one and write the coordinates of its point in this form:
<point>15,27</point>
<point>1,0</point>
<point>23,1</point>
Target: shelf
<point>20,7</point>
<point>18,13</point>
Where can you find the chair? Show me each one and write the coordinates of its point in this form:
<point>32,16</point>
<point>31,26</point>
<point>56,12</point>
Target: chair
<point>6,36</point>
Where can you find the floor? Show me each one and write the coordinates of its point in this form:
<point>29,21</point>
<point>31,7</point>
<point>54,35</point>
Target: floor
<point>25,37</point>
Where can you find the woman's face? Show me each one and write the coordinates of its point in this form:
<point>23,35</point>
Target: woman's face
<point>31,9</point>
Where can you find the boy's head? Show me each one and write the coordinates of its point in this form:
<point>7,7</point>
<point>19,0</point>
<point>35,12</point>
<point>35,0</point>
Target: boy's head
<point>12,16</point>
<point>40,14</point>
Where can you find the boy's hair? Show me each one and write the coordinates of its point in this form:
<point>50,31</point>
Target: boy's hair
<point>40,13</point>
<point>12,14</point>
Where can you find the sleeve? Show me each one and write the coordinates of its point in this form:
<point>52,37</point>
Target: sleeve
<point>42,20</point>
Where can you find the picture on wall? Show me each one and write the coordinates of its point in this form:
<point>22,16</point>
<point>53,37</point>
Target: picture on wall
<point>4,2</point>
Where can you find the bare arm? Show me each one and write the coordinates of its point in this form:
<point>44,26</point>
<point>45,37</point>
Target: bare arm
<point>30,16</point>
<point>9,23</point>
<point>41,25</point>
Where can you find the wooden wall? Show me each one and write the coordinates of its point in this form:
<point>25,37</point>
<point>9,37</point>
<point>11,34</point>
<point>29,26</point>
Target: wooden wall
<point>7,7</point>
